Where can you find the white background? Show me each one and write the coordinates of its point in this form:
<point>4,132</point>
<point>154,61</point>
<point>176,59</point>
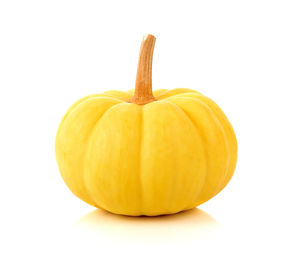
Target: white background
<point>245,55</point>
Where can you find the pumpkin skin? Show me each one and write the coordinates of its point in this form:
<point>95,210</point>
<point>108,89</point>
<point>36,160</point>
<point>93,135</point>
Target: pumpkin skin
<point>169,155</point>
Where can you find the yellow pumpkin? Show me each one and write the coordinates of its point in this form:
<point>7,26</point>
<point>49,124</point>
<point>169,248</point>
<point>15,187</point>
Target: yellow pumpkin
<point>143,153</point>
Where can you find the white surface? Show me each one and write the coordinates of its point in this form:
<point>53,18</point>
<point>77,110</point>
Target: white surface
<point>243,54</point>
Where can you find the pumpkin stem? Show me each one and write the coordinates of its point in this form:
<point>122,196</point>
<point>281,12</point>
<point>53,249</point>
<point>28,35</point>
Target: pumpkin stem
<point>143,84</point>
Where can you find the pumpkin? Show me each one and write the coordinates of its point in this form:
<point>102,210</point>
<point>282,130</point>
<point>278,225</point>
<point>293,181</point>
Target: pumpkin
<point>146,153</point>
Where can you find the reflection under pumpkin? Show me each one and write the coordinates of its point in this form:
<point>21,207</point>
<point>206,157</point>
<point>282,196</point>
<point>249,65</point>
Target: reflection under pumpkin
<point>183,225</point>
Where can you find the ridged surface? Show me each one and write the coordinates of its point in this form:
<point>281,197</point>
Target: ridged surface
<point>163,157</point>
